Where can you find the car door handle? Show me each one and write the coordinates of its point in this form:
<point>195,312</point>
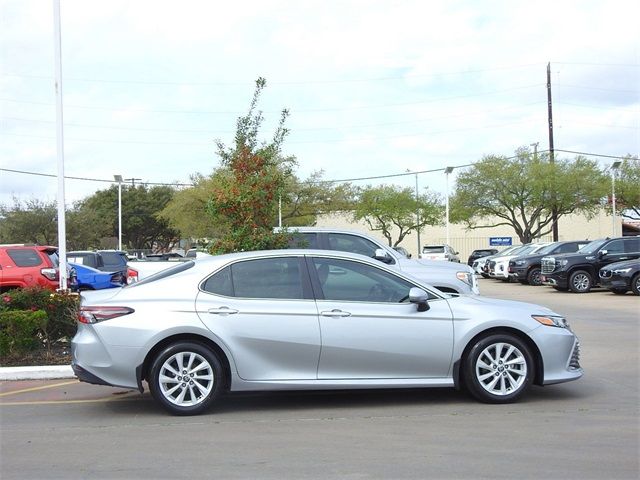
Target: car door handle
<point>222,311</point>
<point>335,313</point>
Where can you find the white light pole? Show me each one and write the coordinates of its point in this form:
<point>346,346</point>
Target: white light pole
<point>118,178</point>
<point>62,232</point>
<point>447,171</point>
<point>614,168</point>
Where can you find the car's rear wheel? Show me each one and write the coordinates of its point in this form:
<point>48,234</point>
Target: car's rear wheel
<point>635,284</point>
<point>534,277</point>
<point>498,369</point>
<point>185,378</point>
<point>580,282</point>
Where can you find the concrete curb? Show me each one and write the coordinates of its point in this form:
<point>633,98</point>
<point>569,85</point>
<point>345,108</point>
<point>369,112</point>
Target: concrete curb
<point>36,373</point>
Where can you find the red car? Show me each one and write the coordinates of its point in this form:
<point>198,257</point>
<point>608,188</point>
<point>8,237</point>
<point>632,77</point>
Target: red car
<point>28,265</point>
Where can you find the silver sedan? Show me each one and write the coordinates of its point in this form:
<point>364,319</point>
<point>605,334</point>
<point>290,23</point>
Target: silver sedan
<point>311,320</point>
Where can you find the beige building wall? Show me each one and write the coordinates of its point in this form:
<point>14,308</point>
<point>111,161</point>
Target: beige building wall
<point>572,227</point>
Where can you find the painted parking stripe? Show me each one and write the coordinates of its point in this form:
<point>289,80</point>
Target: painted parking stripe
<point>35,389</point>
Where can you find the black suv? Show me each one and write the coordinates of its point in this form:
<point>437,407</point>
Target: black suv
<point>526,269</point>
<point>621,277</point>
<point>578,271</point>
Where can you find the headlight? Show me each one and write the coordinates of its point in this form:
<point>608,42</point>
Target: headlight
<point>622,270</point>
<point>521,262</point>
<point>562,263</point>
<point>465,277</point>
<point>551,320</point>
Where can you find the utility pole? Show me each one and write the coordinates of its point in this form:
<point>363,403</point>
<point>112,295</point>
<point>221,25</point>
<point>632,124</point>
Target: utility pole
<point>554,211</point>
<point>133,181</point>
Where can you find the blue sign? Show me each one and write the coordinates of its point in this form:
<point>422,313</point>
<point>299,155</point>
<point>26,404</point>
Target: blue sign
<point>500,241</point>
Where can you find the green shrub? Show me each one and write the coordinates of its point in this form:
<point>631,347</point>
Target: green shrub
<point>20,329</point>
<point>60,309</point>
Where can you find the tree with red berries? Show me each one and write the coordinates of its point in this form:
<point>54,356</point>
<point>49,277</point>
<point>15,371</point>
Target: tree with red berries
<point>251,179</point>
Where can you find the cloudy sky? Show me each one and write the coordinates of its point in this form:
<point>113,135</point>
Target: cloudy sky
<point>373,87</point>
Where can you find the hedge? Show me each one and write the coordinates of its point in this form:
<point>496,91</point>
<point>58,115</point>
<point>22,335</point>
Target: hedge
<point>20,330</point>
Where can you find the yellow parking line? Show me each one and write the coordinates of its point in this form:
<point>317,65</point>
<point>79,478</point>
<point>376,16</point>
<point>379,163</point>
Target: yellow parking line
<point>35,389</point>
<point>64,402</point>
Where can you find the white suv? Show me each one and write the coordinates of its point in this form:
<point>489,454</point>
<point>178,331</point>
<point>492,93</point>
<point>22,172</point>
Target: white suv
<point>439,252</point>
<point>452,278</point>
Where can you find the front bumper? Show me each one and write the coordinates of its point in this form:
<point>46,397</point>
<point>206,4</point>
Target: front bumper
<point>614,282</point>
<point>554,280</point>
<point>560,350</point>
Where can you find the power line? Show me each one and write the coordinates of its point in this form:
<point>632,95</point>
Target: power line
<point>356,107</point>
<point>344,180</point>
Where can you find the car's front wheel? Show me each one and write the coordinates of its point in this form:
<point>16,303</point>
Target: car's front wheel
<point>580,282</point>
<point>185,378</point>
<point>498,369</point>
<point>534,277</point>
<point>635,284</point>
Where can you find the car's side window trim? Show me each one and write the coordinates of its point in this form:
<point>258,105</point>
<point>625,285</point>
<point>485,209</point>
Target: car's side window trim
<point>307,291</point>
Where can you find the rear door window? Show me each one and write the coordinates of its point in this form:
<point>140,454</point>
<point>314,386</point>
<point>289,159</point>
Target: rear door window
<point>25,257</point>
<point>272,278</point>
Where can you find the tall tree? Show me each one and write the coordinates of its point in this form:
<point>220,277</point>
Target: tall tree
<point>393,210</point>
<point>249,183</point>
<point>627,187</point>
<point>142,226</point>
<point>304,200</point>
<point>33,221</point>
<point>521,192</point>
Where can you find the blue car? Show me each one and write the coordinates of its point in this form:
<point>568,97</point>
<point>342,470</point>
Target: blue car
<point>89,278</point>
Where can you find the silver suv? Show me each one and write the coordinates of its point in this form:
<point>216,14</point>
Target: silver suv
<point>449,277</point>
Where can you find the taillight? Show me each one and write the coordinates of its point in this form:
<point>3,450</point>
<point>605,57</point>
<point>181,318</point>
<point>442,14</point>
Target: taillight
<point>50,273</point>
<point>132,275</point>
<point>100,314</point>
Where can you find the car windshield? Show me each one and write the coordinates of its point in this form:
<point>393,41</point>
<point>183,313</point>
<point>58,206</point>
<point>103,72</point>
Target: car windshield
<point>592,247</point>
<point>433,249</point>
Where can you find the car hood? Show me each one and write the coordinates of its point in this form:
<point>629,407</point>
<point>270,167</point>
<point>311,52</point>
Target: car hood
<point>409,264</point>
<point>506,307</point>
<point>621,265</point>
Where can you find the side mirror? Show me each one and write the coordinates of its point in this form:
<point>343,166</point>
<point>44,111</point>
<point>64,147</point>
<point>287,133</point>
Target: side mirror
<point>420,298</point>
<point>382,256</point>
<point>602,253</point>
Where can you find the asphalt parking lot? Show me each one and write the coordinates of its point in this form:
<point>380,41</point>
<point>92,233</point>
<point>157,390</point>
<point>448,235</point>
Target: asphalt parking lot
<point>584,429</point>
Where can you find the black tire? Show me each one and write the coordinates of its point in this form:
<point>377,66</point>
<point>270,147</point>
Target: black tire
<point>494,382</point>
<point>635,284</point>
<point>533,277</point>
<point>619,291</point>
<point>195,395</point>
<point>580,281</point>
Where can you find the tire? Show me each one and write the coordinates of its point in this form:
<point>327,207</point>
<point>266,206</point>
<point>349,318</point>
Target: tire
<point>619,291</point>
<point>635,284</point>
<point>490,381</point>
<point>533,277</point>
<point>580,282</point>
<point>205,375</point>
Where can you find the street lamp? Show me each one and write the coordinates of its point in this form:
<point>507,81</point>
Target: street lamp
<point>118,178</point>
<point>447,171</point>
<point>614,168</point>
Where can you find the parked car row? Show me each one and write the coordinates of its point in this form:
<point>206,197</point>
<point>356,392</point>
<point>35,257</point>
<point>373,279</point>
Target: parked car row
<point>576,266</point>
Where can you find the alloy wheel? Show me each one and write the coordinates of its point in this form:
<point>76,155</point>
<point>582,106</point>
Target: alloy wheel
<point>501,369</point>
<point>186,379</point>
